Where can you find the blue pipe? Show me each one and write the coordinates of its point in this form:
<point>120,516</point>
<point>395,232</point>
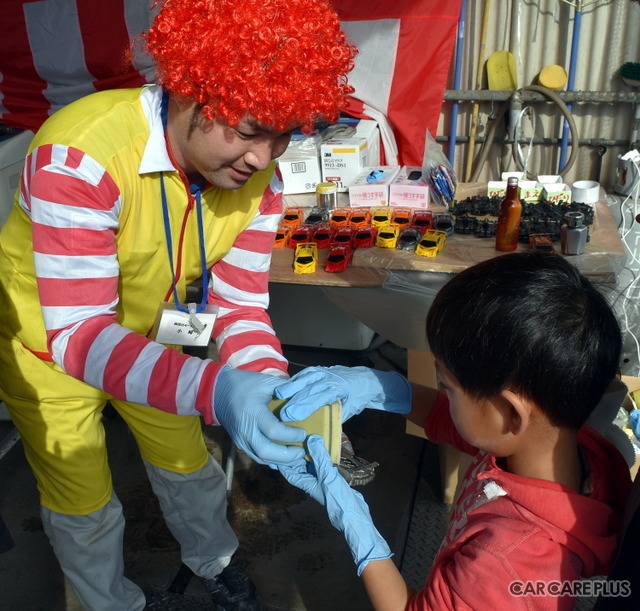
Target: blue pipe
<point>570,83</point>
<point>456,83</point>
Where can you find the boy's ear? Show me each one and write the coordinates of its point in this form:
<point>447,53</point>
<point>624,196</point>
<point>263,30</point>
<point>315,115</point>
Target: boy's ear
<point>517,411</point>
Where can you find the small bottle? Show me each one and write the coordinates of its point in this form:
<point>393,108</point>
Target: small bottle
<point>508,228</point>
<point>327,195</point>
<point>573,235</point>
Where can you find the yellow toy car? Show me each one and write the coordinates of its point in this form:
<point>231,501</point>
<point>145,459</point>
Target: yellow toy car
<point>305,258</point>
<point>381,216</point>
<point>431,243</point>
<point>388,236</point>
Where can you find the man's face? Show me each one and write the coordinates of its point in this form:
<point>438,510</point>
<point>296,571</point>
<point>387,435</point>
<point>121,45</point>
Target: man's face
<point>225,155</point>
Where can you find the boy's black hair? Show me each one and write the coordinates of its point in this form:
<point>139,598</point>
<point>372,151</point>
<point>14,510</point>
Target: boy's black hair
<point>532,323</point>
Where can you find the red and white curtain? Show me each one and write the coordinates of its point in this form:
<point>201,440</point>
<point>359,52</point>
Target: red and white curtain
<point>406,48</point>
<point>55,51</point>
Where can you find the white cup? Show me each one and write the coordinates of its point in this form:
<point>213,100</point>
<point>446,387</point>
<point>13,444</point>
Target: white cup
<point>585,191</point>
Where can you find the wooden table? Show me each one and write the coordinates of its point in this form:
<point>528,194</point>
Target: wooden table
<point>602,261</point>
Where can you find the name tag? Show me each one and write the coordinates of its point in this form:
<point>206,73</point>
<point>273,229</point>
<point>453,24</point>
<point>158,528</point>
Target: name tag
<point>183,328</point>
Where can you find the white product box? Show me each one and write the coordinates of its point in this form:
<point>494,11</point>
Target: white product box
<point>556,192</point>
<point>547,179</point>
<point>530,190</point>
<point>300,165</point>
<point>371,186</point>
<point>507,175</point>
<point>342,159</point>
<point>496,188</point>
<point>405,190</point>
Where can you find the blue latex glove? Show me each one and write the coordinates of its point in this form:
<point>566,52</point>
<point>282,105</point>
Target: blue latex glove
<point>240,403</point>
<point>346,507</point>
<point>356,387</point>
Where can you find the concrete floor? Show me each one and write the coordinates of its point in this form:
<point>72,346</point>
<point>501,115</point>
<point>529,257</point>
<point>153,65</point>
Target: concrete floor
<point>298,561</point>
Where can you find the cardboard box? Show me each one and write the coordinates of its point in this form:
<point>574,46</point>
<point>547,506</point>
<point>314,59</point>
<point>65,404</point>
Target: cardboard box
<point>556,192</point>
<point>530,190</point>
<point>342,159</point>
<point>300,165</point>
<point>496,188</point>
<point>404,191</point>
<point>368,190</point>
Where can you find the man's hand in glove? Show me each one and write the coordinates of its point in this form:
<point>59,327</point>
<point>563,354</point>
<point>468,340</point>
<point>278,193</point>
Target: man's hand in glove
<point>240,404</point>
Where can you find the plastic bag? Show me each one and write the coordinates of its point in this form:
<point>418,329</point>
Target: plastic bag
<point>438,173</point>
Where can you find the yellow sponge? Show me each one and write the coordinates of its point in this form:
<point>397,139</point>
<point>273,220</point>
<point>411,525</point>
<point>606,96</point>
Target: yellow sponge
<point>325,421</point>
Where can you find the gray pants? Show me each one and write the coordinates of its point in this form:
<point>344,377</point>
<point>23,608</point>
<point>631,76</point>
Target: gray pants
<point>89,547</point>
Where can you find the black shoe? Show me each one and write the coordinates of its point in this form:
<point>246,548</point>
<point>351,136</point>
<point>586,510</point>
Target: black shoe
<point>232,590</point>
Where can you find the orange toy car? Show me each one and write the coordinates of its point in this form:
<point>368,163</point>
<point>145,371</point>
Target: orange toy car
<point>293,216</point>
<point>360,216</point>
<point>282,236</point>
<point>401,217</point>
<point>340,217</point>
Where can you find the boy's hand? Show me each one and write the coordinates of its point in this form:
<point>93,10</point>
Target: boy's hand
<point>346,508</point>
<point>356,387</point>
<point>240,405</point>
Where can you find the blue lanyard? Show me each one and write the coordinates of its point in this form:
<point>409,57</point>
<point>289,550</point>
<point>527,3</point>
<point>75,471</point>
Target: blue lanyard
<point>196,191</point>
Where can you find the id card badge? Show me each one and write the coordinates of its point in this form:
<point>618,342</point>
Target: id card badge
<point>178,328</point>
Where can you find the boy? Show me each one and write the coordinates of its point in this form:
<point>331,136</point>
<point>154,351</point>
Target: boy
<point>525,347</point>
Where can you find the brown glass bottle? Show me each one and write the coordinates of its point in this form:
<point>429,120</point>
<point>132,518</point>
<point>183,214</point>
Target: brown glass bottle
<point>508,227</point>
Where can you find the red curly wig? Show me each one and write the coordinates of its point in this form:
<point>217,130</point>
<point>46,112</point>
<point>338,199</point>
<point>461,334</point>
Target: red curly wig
<point>285,62</point>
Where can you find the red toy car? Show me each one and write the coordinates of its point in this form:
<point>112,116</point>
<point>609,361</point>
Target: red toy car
<point>322,235</point>
<point>364,236</point>
<point>423,220</point>
<point>342,235</point>
<point>338,259</point>
<point>302,233</point>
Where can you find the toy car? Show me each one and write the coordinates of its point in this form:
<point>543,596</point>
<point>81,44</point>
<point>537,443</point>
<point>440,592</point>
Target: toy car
<point>423,220</point>
<point>541,241</point>
<point>317,216</point>
<point>282,236</point>
<point>364,236</point>
<point>322,235</point>
<point>299,234</point>
<point>431,243</point>
<point>360,216</point>
<point>305,258</point>
<point>293,216</point>
<point>381,216</point>
<point>342,235</point>
<point>338,259</point>
<point>401,217</point>
<point>340,217</point>
<point>388,236</point>
<point>409,238</point>
<point>443,222</point>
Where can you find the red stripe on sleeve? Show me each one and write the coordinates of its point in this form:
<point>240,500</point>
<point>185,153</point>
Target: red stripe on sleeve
<point>69,292</point>
<point>247,281</point>
<point>163,384</point>
<point>120,363</point>
<point>63,240</point>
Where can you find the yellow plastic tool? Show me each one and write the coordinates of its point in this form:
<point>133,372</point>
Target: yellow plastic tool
<point>501,72</point>
<point>553,77</point>
<point>326,422</point>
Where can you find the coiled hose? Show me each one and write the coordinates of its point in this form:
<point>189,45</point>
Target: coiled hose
<point>554,97</point>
